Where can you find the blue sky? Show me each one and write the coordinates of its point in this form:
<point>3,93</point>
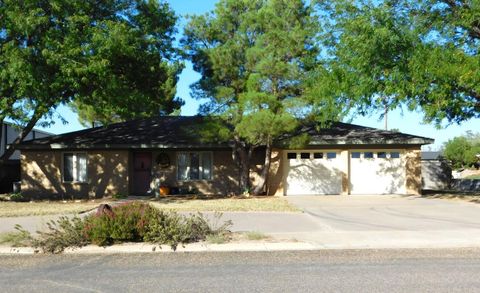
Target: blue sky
<point>407,122</point>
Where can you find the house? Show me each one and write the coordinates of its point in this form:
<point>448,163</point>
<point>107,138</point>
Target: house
<point>10,171</point>
<point>135,156</point>
<point>436,173</point>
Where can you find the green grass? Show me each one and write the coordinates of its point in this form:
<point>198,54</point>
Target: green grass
<point>254,235</point>
<point>19,238</point>
<point>217,238</point>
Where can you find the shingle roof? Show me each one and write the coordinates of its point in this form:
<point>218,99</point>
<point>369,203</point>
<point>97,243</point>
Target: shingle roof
<point>182,132</point>
<point>346,134</point>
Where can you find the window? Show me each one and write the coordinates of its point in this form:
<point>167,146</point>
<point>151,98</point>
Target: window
<point>291,156</point>
<point>394,155</point>
<point>382,155</point>
<point>355,155</point>
<point>304,155</point>
<point>74,167</point>
<point>331,155</point>
<point>318,155</point>
<point>194,166</point>
<point>368,155</point>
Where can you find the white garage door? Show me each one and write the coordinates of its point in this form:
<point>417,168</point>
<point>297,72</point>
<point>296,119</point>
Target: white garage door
<point>313,172</point>
<point>377,172</point>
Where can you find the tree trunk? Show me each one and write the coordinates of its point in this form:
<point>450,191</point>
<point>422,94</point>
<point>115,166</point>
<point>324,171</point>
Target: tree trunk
<point>21,136</point>
<point>242,154</point>
<point>266,169</point>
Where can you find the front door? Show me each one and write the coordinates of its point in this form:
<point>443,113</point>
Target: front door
<point>142,168</point>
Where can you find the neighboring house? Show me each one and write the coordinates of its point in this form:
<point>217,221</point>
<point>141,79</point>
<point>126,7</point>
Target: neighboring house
<point>134,157</point>
<point>436,173</point>
<point>10,171</point>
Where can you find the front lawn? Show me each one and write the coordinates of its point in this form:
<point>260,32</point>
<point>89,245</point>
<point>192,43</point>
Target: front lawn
<point>202,204</point>
<point>473,197</point>
<point>40,208</point>
<point>228,204</point>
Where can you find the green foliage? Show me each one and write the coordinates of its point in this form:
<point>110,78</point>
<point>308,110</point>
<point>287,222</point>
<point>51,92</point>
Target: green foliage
<point>254,235</point>
<point>129,222</point>
<point>119,196</point>
<point>61,234</point>
<point>112,60</point>
<point>18,238</point>
<point>217,239</point>
<point>18,197</point>
<point>388,53</point>
<point>254,58</point>
<point>461,151</point>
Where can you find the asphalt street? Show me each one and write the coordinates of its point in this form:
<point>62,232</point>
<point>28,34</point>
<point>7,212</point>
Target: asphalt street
<point>452,270</point>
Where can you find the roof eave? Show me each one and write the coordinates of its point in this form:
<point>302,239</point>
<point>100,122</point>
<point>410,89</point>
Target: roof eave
<point>57,146</point>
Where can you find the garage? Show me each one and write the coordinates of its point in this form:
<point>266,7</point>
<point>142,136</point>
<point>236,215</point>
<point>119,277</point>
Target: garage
<point>377,172</point>
<point>313,172</point>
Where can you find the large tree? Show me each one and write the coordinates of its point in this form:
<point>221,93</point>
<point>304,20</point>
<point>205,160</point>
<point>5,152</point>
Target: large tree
<point>115,57</point>
<point>254,58</point>
<point>422,54</point>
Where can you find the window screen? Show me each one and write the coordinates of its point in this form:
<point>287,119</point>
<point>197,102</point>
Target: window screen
<point>318,155</point>
<point>305,155</point>
<point>331,155</point>
<point>68,167</point>
<point>355,155</point>
<point>75,167</point>
<point>207,166</point>
<point>394,155</point>
<point>291,156</point>
<point>381,155</point>
<point>368,155</point>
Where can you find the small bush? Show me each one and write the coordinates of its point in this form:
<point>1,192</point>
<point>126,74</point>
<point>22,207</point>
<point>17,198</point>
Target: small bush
<point>131,222</point>
<point>119,196</point>
<point>19,238</point>
<point>62,233</point>
<point>17,197</point>
<point>126,222</point>
<point>167,227</point>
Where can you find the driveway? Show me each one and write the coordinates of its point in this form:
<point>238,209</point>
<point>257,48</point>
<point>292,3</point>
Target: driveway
<point>388,213</point>
<point>388,222</point>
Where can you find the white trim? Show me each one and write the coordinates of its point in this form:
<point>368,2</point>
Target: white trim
<point>200,165</point>
<point>74,171</point>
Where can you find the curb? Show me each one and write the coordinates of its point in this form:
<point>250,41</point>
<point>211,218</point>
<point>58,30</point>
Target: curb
<point>151,248</point>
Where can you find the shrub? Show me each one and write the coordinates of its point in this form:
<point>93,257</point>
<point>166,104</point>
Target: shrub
<point>62,233</point>
<point>130,222</point>
<point>119,196</point>
<point>166,227</point>
<point>126,222</point>
<point>18,197</point>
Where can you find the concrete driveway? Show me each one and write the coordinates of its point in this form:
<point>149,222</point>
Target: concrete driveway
<point>388,213</point>
<point>388,222</point>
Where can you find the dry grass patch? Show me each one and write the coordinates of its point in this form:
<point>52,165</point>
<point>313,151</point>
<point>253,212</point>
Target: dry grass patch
<point>463,196</point>
<point>227,204</point>
<point>40,208</point>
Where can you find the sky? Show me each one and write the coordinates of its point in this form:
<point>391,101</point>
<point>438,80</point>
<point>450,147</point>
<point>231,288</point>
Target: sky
<point>406,122</point>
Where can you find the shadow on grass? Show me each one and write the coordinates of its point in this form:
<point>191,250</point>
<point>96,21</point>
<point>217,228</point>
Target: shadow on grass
<point>473,196</point>
<point>186,198</point>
